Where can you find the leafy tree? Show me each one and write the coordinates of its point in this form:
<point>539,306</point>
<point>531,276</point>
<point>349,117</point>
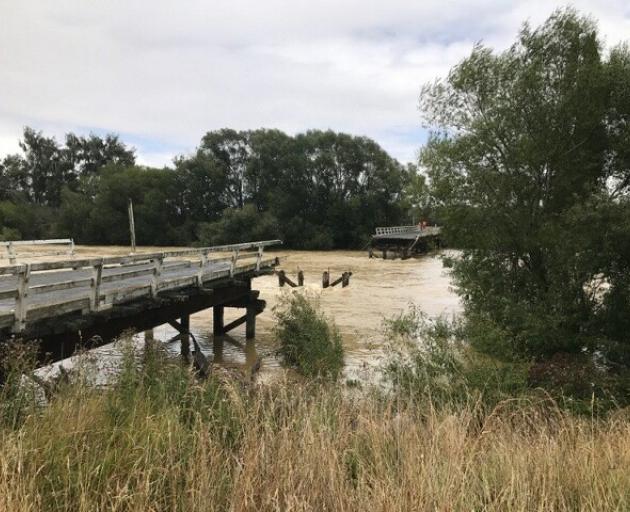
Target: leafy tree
<point>230,149</point>
<point>88,155</point>
<point>236,226</point>
<point>527,145</point>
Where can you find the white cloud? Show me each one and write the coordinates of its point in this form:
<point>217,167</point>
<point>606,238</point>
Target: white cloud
<point>170,71</point>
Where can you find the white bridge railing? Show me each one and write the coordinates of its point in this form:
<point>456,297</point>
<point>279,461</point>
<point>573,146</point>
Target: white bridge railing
<point>84,291</point>
<point>393,230</point>
<point>11,246</point>
<point>397,229</point>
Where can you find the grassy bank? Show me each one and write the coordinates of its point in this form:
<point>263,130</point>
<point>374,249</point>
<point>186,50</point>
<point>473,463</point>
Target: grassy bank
<point>160,440</point>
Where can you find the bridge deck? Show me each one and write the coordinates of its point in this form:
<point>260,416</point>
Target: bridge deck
<point>30,293</point>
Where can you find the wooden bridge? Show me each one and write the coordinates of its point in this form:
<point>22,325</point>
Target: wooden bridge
<point>68,302</point>
<point>403,241</point>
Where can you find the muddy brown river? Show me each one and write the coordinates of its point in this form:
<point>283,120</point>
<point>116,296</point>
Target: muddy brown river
<point>378,289</point>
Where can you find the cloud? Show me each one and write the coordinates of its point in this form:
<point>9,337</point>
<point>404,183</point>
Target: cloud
<point>163,73</point>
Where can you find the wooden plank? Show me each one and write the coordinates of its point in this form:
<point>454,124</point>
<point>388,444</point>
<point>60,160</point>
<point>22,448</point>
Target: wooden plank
<point>235,323</point>
<point>247,255</point>
<point>214,275</point>
<point>65,285</point>
<point>8,294</point>
<point>54,241</point>
<point>179,282</point>
<point>59,265</point>
<point>184,264</point>
<point>6,321</point>
<point>131,293</point>
<point>11,270</point>
<point>51,310</point>
<point>127,275</point>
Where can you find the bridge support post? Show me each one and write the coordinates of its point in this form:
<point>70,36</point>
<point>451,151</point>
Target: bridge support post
<point>250,322</point>
<point>218,326</point>
<point>185,337</point>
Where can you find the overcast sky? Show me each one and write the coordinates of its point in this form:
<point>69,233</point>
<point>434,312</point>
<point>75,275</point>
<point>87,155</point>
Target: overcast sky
<point>162,73</point>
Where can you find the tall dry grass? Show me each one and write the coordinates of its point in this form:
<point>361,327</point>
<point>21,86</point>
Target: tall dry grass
<point>160,440</point>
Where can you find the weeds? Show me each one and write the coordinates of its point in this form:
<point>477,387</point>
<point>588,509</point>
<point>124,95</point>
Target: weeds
<point>309,342</point>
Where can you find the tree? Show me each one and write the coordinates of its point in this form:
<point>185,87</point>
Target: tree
<point>230,149</point>
<point>87,155</point>
<point>526,145</point>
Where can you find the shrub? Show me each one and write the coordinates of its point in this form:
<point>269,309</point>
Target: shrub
<point>308,341</point>
<point>429,358</point>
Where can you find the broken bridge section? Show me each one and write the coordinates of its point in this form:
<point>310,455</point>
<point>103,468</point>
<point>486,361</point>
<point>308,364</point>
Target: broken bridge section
<point>88,302</point>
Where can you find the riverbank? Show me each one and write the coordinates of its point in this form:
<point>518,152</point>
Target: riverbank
<point>158,439</point>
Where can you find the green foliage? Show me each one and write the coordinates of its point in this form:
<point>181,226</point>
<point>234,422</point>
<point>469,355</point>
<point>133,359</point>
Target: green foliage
<point>529,171</point>
<point>308,341</point>
<point>430,359</point>
<point>237,225</point>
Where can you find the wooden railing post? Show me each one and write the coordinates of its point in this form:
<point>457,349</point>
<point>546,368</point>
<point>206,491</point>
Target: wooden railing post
<point>259,257</point>
<point>11,253</point>
<point>21,301</point>
<point>157,272</point>
<point>97,279</point>
<point>233,262</point>
<point>202,268</point>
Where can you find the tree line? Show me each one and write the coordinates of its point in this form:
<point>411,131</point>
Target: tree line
<point>315,190</point>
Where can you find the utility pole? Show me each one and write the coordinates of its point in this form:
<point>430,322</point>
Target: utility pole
<point>132,227</point>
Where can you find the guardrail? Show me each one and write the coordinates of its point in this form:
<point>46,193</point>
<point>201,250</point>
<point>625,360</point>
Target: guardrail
<point>397,229</point>
<point>12,255</point>
<point>428,230</point>
<point>199,268</point>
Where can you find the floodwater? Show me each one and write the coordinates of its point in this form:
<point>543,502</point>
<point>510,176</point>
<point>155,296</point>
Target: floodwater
<point>379,289</point>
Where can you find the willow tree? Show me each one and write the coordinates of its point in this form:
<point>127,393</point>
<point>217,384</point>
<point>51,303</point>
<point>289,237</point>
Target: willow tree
<point>528,164</point>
